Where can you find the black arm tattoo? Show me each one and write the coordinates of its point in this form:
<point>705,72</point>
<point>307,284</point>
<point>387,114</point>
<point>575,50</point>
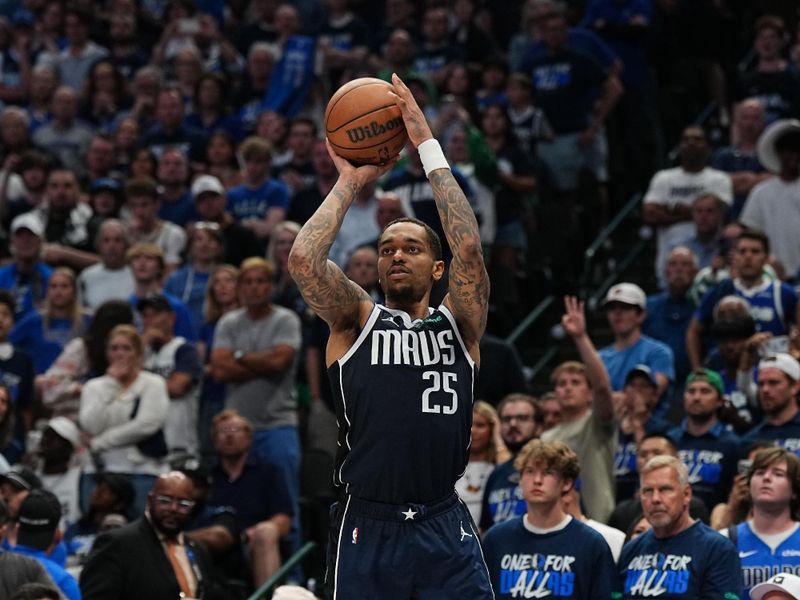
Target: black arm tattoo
<point>323,284</point>
<point>469,282</point>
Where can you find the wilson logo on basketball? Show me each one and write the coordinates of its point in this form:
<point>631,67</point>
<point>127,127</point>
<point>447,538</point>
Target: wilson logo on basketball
<point>374,129</point>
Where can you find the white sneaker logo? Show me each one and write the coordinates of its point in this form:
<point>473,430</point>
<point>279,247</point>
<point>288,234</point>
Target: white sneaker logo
<point>463,533</point>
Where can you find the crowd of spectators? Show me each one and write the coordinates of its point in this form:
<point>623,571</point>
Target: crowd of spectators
<point>163,383</point>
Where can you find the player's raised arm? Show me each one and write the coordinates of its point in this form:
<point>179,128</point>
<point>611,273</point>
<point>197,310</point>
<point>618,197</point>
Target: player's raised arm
<point>468,287</point>
<point>324,286</point>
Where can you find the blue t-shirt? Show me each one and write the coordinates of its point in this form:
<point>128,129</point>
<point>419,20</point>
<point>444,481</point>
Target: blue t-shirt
<point>502,497</point>
<point>17,374</point>
<point>183,323</point>
<point>27,291</point>
<point>711,460</point>
<point>574,562</point>
<point>646,351</point>
<point>180,211</point>
<point>190,286</point>
<point>245,202</point>
<point>696,564</point>
<point>45,344</point>
<point>65,582</point>
<point>667,320</point>
<point>786,436</point>
<point>773,304</point>
<point>759,562</point>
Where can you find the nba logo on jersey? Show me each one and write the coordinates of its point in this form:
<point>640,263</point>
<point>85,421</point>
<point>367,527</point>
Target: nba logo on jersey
<point>355,535</point>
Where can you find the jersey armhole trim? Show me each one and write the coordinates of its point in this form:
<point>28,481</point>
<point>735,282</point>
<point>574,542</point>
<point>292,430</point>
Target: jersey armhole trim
<point>373,316</point>
<point>446,312</point>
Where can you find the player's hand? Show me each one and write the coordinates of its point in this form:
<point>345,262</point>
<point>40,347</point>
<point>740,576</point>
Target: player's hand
<point>573,321</point>
<point>416,124</point>
<point>359,175</point>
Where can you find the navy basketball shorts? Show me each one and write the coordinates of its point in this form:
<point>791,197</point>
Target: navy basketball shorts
<point>405,552</point>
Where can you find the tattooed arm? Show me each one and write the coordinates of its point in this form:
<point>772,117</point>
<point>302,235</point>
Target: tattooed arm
<point>468,287</point>
<point>336,299</point>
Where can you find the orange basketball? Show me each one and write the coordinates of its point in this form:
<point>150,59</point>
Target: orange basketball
<point>363,123</point>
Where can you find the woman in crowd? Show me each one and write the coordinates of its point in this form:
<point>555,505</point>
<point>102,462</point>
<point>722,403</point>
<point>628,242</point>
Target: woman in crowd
<point>126,141</point>
<point>122,414</point>
<point>82,358</point>
<point>486,450</point>
<point>210,112</point>
<point>284,291</point>
<point>143,164</point>
<point>43,334</point>
<point>189,283</point>
<point>221,298</point>
<point>221,159</point>
<point>105,95</point>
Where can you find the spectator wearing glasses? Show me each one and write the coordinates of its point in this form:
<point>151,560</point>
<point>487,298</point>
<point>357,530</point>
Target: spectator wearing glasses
<point>167,564</point>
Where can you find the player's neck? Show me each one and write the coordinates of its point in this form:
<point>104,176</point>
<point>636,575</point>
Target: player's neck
<point>771,520</point>
<point>545,516</point>
<point>415,310</point>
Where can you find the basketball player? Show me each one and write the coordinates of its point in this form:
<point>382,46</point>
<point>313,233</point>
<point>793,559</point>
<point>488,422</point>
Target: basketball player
<point>403,376</point>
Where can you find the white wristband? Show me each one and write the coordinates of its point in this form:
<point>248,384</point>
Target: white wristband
<point>432,157</point>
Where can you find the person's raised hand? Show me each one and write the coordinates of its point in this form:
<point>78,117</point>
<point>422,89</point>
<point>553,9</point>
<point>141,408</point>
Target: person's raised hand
<point>416,124</point>
<point>573,321</point>
<point>360,175</point>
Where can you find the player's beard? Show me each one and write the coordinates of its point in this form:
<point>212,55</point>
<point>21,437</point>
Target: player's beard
<point>403,295</point>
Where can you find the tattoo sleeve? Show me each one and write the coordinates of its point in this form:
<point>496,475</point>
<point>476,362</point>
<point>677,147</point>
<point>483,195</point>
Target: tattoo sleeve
<point>324,286</point>
<point>469,283</point>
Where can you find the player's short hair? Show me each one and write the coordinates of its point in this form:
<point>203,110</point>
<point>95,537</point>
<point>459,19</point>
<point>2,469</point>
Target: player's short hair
<point>434,241</point>
<point>754,234</point>
<point>766,457</point>
<point>670,462</point>
<point>570,366</point>
<point>227,415</point>
<point>519,397</point>
<point>549,455</point>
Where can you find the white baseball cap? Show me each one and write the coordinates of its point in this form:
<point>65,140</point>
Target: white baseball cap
<point>785,362</point>
<point>782,582</point>
<point>626,293</point>
<point>28,221</point>
<point>767,155</point>
<point>67,429</point>
<point>207,183</point>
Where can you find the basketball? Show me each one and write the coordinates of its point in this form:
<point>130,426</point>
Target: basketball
<point>363,124</point>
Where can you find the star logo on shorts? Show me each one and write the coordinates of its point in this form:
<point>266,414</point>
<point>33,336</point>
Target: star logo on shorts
<point>409,514</point>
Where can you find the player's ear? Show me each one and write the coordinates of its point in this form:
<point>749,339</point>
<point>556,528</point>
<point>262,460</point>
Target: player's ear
<point>438,270</point>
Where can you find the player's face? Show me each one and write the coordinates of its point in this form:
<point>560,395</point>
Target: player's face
<point>572,391</point>
<point>542,485</point>
<point>623,318</point>
<point>664,499</point>
<point>775,390</point>
<point>770,486</point>
<point>701,399</point>
<point>517,424</point>
<point>481,432</point>
<point>406,266</point>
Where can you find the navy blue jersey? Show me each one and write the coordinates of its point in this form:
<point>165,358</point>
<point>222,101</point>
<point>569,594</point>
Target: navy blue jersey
<point>696,564</point>
<point>403,395</point>
<point>573,562</point>
<point>502,496</point>
<point>759,562</point>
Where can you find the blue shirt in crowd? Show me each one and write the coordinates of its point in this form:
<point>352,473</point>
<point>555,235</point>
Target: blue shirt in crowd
<point>65,582</point>
<point>44,341</point>
<point>760,562</point>
<point>245,202</point>
<point>502,497</point>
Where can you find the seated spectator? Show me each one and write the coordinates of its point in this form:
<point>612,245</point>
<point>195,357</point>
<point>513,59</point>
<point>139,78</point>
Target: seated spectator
<point>778,386</point>
<point>255,490</point>
<point>739,505</point>
<point>123,413</point>
<point>65,137</point>
<point>65,221</point>
<point>106,200</point>
<point>306,200</point>
<point>705,239</point>
<point>528,122</point>
<point>168,563</point>
<point>769,206</point>
<point>16,375</point>
<point>7,442</point>
<point>550,411</point>
<point>547,471</point>
<point>170,130</point>
<point>111,278</point>
<point>284,289</point>
<point>221,159</point>
<point>669,312</point>
<point>177,361</point>
<point>82,358</point>
<point>176,202</point>
<point>205,251</point>
<point>43,84</point>
<point>100,161</point>
<point>572,504</point>
<point>587,425</point>
<point>59,474</point>
<point>773,305</point>
<point>209,201</point>
<point>26,278</point>
<point>37,534</point>
<point>705,447</point>
<point>739,159</point>
<point>144,224</point>
<point>625,305</point>
<point>147,266</point>
<point>124,47</point>
<point>18,571</point>
<point>43,333</point>
<point>105,96</point>
<point>669,198</point>
<point>261,201</point>
<point>299,173</point>
<point>126,143</point>
<point>248,94</point>
<point>34,169</point>
<point>486,450</point>
<point>436,50</point>
<point>210,112</point>
<point>112,496</point>
<point>715,569</point>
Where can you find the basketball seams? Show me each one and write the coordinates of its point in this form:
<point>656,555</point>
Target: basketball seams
<point>330,106</point>
<point>357,148</point>
<point>362,116</point>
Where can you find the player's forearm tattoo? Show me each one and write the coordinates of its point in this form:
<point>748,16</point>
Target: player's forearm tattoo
<point>322,283</point>
<point>469,283</point>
